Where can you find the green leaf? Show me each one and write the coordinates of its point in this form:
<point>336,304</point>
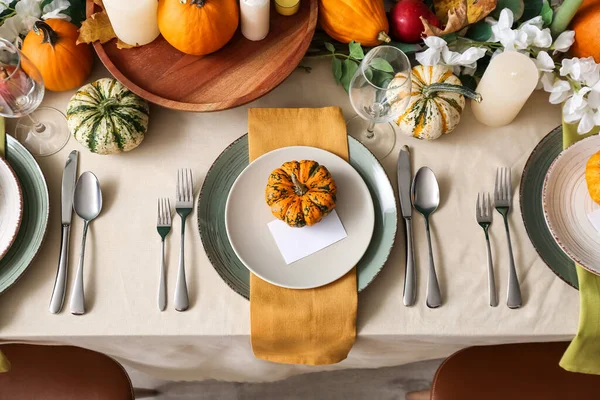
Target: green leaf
<point>547,14</point>
<point>76,11</point>
<point>336,68</point>
<point>516,6</point>
<point>381,65</point>
<point>533,8</point>
<point>407,48</point>
<point>356,50</point>
<point>349,68</point>
<point>369,74</point>
<point>451,37</point>
<point>330,47</point>
<point>480,32</point>
<point>381,79</point>
<point>468,81</point>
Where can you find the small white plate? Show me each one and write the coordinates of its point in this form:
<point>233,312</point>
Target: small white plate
<point>567,203</point>
<point>247,215</point>
<point>11,207</point>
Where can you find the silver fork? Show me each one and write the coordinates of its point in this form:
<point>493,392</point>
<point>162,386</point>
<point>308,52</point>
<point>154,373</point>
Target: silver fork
<point>484,219</point>
<point>503,201</point>
<point>163,226</point>
<point>183,206</point>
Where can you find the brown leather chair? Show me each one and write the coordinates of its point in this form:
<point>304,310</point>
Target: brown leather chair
<point>527,371</point>
<point>62,373</point>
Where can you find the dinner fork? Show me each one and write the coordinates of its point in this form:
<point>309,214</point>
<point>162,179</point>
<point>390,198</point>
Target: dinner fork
<point>503,201</point>
<point>484,219</point>
<point>183,206</point>
<point>163,225</point>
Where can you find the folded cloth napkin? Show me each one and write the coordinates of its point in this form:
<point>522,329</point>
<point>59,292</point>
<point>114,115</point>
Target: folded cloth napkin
<point>312,326</point>
<point>583,354</point>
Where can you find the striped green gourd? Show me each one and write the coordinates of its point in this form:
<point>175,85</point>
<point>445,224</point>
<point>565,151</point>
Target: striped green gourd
<point>107,118</point>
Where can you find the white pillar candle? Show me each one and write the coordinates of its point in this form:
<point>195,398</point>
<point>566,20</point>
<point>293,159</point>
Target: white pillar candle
<point>255,18</point>
<point>134,21</point>
<point>505,86</point>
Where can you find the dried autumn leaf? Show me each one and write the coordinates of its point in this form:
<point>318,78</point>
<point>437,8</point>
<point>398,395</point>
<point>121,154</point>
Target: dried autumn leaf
<point>96,27</point>
<point>457,19</point>
<point>476,9</point>
<point>122,45</point>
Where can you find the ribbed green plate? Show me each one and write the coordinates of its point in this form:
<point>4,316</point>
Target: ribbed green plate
<point>225,170</point>
<point>532,183</point>
<point>36,206</point>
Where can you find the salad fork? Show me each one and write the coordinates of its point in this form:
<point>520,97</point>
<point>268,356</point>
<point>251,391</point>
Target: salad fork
<point>503,201</point>
<point>163,225</point>
<point>183,206</point>
<point>484,219</point>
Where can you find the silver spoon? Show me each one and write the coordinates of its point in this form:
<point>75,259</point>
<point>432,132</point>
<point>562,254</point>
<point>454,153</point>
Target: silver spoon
<point>426,199</point>
<point>87,202</point>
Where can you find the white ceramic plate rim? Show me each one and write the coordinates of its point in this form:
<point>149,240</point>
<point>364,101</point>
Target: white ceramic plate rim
<point>370,219</point>
<point>545,201</point>
<point>15,219</point>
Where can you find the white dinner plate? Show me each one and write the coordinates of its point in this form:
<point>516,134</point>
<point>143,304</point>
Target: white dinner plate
<point>567,203</point>
<point>11,207</point>
<point>247,215</point>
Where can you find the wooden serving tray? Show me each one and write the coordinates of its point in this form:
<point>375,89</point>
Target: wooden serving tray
<point>239,73</point>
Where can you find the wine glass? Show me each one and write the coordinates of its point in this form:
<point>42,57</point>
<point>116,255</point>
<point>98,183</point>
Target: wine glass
<point>379,92</point>
<point>42,130</point>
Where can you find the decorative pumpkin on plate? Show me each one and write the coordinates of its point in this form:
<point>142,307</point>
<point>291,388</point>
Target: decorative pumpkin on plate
<point>51,46</point>
<point>198,27</point>
<point>437,99</point>
<point>592,177</point>
<point>301,193</point>
<point>107,118</point>
<point>363,21</point>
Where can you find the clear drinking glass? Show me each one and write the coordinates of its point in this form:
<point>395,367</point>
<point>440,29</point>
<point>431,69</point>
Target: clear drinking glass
<point>42,130</point>
<point>379,93</point>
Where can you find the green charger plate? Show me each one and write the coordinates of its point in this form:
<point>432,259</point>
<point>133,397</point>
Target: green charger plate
<point>222,175</point>
<point>36,207</point>
<point>532,183</point>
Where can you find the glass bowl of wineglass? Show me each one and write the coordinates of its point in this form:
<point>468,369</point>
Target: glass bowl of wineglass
<point>42,130</point>
<point>379,92</point>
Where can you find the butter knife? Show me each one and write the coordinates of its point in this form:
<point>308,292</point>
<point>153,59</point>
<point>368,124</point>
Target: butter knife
<point>66,196</point>
<point>404,185</point>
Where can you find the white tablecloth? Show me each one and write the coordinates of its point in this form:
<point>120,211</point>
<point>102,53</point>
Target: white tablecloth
<point>211,340</point>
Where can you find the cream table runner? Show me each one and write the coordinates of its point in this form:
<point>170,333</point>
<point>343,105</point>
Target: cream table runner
<point>211,340</point>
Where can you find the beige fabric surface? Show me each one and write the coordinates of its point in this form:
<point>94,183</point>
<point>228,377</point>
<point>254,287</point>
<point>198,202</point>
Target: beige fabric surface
<point>212,338</point>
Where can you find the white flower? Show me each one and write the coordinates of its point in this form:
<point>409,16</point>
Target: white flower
<point>544,62</point>
<point>433,54</point>
<point>3,5</point>
<point>564,41</point>
<point>560,90</point>
<point>577,108</point>
<point>11,29</point>
<point>535,34</point>
<point>54,9</point>
<point>29,11</point>
<point>502,32</point>
<point>439,53</point>
<point>584,70</point>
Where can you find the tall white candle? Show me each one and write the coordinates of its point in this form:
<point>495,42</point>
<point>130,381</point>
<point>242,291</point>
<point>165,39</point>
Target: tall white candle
<point>505,86</point>
<point>255,18</point>
<point>134,21</point>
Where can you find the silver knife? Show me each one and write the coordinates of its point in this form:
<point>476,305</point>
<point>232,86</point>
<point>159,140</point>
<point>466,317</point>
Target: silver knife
<point>404,185</point>
<point>66,196</point>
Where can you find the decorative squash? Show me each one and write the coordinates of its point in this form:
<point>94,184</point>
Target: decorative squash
<point>436,102</point>
<point>301,193</point>
<point>198,27</point>
<point>51,47</point>
<point>107,118</point>
<point>363,21</point>
<point>585,24</point>
<point>592,177</point>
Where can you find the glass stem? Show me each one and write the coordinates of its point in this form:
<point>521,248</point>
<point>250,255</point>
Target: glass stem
<point>37,125</point>
<point>371,130</point>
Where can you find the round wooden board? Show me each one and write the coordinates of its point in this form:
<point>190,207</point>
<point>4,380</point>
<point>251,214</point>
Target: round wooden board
<point>239,73</point>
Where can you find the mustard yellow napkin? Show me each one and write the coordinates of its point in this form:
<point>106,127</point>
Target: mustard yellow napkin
<point>583,354</point>
<point>313,326</point>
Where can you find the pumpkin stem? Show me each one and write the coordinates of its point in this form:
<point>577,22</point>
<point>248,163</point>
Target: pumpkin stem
<point>198,3</point>
<point>108,104</point>
<point>299,188</point>
<point>48,34</point>
<point>383,37</point>
<point>429,90</point>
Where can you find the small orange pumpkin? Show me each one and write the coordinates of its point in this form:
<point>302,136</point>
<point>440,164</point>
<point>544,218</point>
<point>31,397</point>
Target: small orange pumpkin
<point>198,27</point>
<point>363,21</point>
<point>592,177</point>
<point>585,24</point>
<point>51,46</point>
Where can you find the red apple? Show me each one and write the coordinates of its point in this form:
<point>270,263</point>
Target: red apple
<point>405,24</point>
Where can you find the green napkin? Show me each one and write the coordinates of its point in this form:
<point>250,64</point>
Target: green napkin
<point>583,354</point>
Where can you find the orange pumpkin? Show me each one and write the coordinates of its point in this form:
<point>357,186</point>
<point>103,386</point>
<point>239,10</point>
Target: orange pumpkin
<point>585,24</point>
<point>51,46</point>
<point>198,27</point>
<point>592,177</point>
<point>363,21</point>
